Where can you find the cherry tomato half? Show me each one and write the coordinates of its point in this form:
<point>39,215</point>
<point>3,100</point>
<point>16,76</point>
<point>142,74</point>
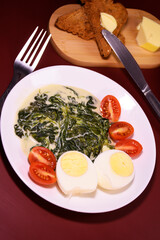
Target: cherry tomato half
<point>120,130</point>
<point>110,108</point>
<point>42,174</point>
<point>130,146</point>
<point>42,154</point>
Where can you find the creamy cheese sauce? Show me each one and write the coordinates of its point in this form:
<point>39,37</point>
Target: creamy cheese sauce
<point>64,91</point>
<point>28,142</point>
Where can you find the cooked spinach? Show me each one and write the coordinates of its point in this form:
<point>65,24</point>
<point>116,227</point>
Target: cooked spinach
<point>66,125</point>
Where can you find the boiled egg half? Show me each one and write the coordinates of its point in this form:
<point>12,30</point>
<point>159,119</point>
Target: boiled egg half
<point>76,173</point>
<point>115,169</point>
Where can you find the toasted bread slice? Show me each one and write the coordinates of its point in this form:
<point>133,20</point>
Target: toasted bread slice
<point>77,23</point>
<point>93,8</point>
<point>85,22</point>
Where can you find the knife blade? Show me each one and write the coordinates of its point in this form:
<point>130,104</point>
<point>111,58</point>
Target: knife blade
<point>133,68</point>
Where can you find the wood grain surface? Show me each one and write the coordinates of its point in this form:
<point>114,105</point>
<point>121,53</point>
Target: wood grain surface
<point>85,52</point>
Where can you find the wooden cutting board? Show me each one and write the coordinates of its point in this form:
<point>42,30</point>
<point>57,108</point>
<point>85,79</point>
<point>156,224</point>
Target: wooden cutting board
<point>85,52</point>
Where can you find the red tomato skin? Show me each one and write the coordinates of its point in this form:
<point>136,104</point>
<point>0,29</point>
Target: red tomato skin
<point>110,108</point>
<point>132,147</point>
<point>42,154</point>
<point>42,174</point>
<point>121,130</point>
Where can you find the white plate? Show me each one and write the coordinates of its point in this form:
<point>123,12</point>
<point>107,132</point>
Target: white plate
<point>100,86</point>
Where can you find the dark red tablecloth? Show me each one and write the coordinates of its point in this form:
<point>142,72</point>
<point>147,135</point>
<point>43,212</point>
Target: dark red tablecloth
<point>23,214</point>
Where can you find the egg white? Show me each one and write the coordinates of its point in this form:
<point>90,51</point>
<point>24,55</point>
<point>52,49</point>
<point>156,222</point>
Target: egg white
<point>107,178</point>
<point>73,185</point>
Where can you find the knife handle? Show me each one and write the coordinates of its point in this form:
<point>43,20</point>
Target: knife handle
<point>153,102</point>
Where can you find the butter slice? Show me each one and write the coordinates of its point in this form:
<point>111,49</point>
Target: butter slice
<point>148,36</point>
<point>108,21</point>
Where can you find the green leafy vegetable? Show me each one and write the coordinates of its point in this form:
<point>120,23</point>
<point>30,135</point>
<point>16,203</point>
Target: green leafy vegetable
<point>64,125</point>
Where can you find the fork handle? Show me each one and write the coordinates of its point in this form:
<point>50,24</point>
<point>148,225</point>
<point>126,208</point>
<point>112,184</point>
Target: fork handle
<point>17,76</point>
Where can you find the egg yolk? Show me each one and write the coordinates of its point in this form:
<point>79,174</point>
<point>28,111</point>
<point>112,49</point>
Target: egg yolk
<point>121,164</point>
<point>74,164</point>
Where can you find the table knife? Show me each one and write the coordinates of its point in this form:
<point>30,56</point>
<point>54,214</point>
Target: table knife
<point>133,68</point>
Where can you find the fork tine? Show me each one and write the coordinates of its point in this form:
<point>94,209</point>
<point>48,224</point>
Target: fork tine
<point>31,48</point>
<point>27,44</point>
<point>41,52</point>
<point>34,53</point>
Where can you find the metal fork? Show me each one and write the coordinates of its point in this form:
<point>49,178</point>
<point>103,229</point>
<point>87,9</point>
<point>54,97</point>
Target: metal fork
<point>27,60</point>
